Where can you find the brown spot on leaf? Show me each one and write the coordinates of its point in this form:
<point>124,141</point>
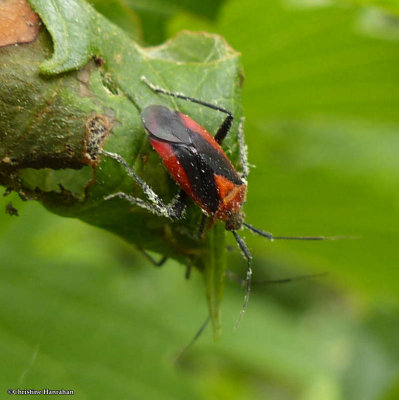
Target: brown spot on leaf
<point>18,22</point>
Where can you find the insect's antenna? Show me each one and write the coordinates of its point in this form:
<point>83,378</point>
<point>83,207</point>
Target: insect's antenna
<point>193,340</point>
<point>226,124</point>
<point>241,282</point>
<point>247,254</point>
<point>293,279</point>
<point>272,237</point>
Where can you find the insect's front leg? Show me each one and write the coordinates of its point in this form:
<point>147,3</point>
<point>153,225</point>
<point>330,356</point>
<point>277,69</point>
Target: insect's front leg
<point>174,210</point>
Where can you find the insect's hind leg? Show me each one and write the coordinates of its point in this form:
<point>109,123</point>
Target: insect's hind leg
<point>224,127</point>
<point>201,229</point>
<point>174,210</point>
<point>245,251</point>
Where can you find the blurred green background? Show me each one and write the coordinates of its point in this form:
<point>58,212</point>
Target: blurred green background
<point>83,310</point>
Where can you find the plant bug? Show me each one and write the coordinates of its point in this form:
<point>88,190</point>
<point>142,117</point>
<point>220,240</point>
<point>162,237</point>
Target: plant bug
<point>197,162</point>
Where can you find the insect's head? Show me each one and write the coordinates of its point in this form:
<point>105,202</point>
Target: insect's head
<point>235,220</point>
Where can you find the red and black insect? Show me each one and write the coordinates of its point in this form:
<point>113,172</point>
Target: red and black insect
<point>197,162</point>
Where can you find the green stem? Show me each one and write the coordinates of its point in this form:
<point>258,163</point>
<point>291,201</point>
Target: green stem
<point>214,273</point>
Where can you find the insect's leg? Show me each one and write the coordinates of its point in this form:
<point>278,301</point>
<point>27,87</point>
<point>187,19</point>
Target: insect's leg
<point>247,254</point>
<point>163,260</point>
<point>188,270</point>
<point>156,205</point>
<point>270,236</point>
<point>179,203</point>
<point>135,201</point>
<point>202,226</point>
<point>224,127</point>
<point>243,149</point>
<point>193,340</point>
<point>151,259</point>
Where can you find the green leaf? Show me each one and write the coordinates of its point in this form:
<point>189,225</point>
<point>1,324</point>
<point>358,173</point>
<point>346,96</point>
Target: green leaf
<point>214,271</point>
<point>71,25</point>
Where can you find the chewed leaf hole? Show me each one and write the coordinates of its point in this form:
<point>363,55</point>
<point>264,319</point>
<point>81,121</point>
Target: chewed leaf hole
<point>97,130</point>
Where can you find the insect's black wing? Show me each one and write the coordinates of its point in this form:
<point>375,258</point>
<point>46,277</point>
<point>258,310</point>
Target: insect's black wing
<point>201,162</point>
<point>200,176</point>
<point>214,159</point>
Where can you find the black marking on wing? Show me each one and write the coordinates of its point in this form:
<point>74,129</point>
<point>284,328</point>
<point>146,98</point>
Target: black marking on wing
<point>202,162</point>
<point>216,161</point>
<point>200,176</point>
